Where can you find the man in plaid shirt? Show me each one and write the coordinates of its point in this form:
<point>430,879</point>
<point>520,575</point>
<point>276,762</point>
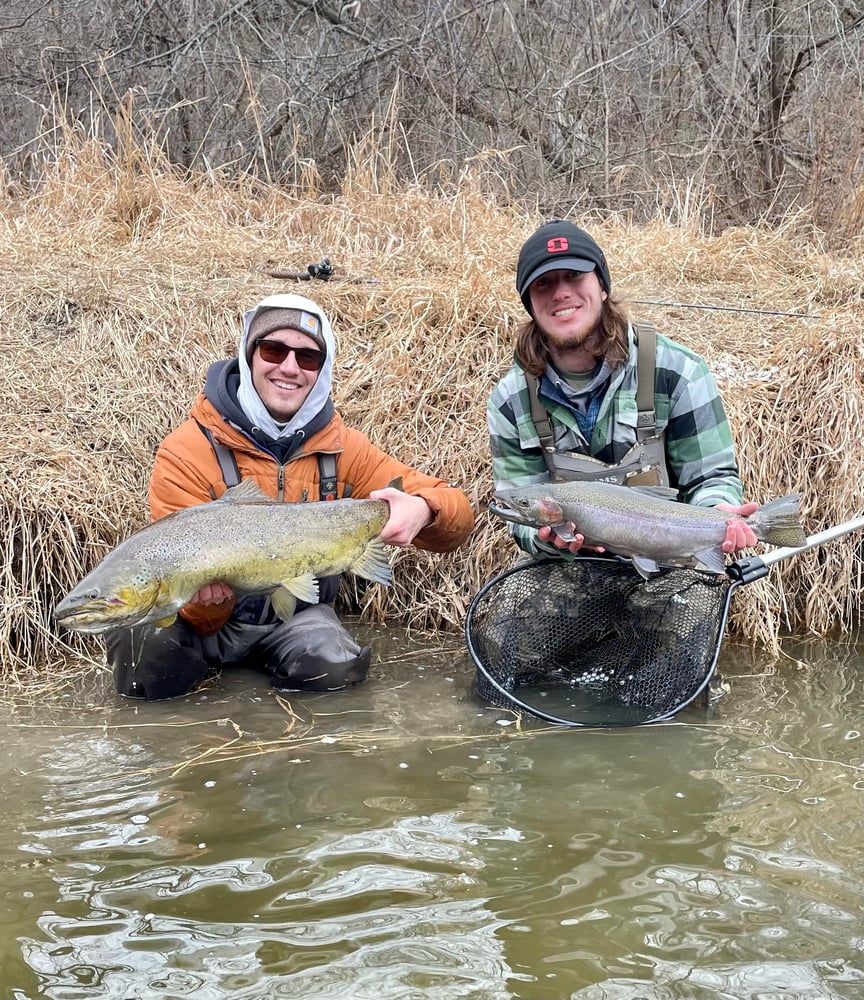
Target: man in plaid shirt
<point>579,349</point>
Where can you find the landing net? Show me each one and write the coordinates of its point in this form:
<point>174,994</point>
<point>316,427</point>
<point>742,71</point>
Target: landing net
<point>589,642</point>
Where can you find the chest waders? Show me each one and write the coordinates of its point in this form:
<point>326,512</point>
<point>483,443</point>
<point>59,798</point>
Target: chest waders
<point>644,464</point>
<point>231,473</point>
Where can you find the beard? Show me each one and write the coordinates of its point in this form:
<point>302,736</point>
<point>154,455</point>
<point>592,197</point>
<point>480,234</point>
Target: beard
<point>589,339</point>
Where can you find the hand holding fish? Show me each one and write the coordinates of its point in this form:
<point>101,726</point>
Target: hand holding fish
<point>409,515</point>
<point>739,534</point>
<point>213,593</point>
<point>574,542</point>
<point>208,610</point>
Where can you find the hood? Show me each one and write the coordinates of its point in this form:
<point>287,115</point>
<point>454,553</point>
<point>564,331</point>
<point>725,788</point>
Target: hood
<point>221,389</point>
<point>317,400</point>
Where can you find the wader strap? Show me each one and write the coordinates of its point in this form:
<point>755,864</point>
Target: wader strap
<point>231,473</point>
<point>542,423</point>
<point>646,340</point>
<point>646,356</point>
<point>225,458</point>
<point>327,475</point>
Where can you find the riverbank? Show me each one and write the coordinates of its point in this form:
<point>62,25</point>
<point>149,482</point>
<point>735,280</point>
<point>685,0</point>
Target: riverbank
<point>123,280</point>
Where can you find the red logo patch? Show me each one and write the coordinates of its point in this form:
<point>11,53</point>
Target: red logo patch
<point>558,244</point>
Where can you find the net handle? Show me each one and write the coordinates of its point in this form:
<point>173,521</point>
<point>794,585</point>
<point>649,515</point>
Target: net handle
<point>754,568</point>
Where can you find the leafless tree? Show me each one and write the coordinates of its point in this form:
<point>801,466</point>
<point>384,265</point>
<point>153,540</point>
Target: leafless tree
<point>756,105</point>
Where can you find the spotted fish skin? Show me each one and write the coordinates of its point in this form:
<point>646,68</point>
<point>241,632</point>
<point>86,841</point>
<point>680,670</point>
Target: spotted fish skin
<point>246,540</point>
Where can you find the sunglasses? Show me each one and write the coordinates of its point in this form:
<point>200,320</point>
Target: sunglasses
<point>274,352</point>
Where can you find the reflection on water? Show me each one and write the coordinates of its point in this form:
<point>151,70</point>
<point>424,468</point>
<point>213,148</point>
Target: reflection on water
<point>403,841</point>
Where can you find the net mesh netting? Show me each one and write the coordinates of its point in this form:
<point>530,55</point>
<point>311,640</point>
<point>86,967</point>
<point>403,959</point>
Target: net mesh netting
<point>590,642</point>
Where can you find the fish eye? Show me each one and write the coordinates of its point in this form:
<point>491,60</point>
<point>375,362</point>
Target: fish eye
<point>92,595</point>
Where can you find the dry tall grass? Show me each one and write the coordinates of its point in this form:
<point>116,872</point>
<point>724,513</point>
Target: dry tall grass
<point>122,281</point>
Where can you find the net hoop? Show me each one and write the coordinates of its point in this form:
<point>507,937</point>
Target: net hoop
<point>684,631</point>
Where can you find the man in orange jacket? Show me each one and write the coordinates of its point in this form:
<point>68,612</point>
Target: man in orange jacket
<point>268,415</point>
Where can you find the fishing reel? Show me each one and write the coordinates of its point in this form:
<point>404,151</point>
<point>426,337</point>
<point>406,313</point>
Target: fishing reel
<point>322,269</point>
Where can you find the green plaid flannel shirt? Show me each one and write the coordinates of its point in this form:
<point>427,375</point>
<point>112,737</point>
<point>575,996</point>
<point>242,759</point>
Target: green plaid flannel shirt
<point>700,453</point>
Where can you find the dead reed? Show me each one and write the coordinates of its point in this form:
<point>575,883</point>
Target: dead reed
<point>123,280</point>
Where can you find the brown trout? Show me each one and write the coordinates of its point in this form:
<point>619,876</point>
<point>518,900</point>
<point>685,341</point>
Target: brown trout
<point>244,539</point>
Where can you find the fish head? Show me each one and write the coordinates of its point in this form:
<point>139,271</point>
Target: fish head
<point>523,508</point>
<point>116,594</point>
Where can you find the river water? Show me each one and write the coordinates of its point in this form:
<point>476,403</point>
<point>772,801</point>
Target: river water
<point>402,840</point>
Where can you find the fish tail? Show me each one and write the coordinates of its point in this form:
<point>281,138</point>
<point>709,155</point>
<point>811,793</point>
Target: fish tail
<point>778,522</point>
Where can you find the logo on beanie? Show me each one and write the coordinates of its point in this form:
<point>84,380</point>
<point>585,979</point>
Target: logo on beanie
<point>310,322</point>
<point>558,244</point>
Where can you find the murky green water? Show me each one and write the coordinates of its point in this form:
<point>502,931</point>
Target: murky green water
<point>399,841</point>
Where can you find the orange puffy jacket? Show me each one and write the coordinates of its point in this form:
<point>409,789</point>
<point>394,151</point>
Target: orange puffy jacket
<point>186,472</point>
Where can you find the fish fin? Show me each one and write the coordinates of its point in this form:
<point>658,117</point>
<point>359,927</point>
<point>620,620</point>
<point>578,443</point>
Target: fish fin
<point>644,566</point>
<point>778,522</point>
<point>373,563</point>
<point>396,484</point>
<point>246,491</point>
<point>659,492</point>
<point>165,622</point>
<point>284,603</point>
<point>713,560</point>
<point>564,532</point>
<point>304,588</point>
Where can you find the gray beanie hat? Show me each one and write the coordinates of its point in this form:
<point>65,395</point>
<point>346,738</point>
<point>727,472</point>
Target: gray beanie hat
<point>268,320</point>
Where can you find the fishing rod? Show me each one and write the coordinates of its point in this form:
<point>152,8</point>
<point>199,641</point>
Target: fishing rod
<point>740,309</point>
<point>322,271</point>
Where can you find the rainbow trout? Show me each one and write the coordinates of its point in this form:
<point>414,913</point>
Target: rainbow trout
<point>244,539</point>
<point>645,523</point>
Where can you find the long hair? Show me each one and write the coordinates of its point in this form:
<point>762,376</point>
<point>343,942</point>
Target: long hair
<point>609,340</point>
